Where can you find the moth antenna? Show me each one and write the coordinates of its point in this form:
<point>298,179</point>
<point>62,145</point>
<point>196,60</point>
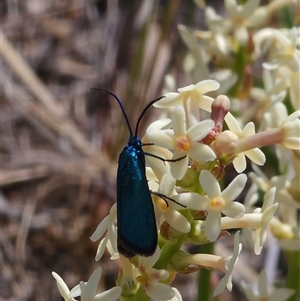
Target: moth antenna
<point>120,104</point>
<point>144,111</point>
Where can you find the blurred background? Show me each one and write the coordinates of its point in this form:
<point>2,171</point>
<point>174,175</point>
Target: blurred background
<point>60,141</point>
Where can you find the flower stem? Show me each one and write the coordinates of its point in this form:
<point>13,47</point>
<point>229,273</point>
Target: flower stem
<point>293,278</point>
<point>167,252</point>
<point>204,277</point>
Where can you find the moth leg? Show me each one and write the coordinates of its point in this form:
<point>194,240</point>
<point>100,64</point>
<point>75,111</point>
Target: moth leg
<point>163,159</point>
<point>165,198</point>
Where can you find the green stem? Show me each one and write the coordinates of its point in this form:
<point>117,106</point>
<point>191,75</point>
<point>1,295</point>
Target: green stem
<point>293,278</point>
<point>204,277</point>
<point>286,19</point>
<point>140,295</point>
<point>170,248</point>
<point>239,69</point>
<point>167,252</point>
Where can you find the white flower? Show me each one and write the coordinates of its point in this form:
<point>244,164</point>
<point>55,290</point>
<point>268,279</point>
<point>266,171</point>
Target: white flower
<point>215,262</point>
<point>217,28</point>
<point>89,289</point>
<point>286,53</point>
<point>251,198</point>
<point>258,220</point>
<point>150,278</point>
<point>273,93</point>
<point>195,62</point>
<point>290,130</point>
<point>194,93</point>
<point>283,50</point>
<point>110,240</point>
<point>184,142</point>
<point>282,195</point>
<point>168,211</point>
<point>64,290</point>
<point>229,265</point>
<point>255,154</point>
<point>291,81</point>
<point>240,17</point>
<point>288,236</point>
<point>261,293</point>
<point>273,118</point>
<point>274,86</point>
<point>287,134</point>
<point>216,201</point>
<point>158,166</point>
<point>268,209</point>
<point>289,125</point>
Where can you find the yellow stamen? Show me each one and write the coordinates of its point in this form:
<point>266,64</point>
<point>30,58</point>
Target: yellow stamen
<point>142,279</point>
<point>183,143</point>
<point>217,203</point>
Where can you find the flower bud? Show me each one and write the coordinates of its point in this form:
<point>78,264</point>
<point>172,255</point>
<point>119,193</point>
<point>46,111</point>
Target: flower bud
<point>181,262</point>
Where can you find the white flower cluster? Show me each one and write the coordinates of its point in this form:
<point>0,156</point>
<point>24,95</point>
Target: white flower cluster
<point>195,148</point>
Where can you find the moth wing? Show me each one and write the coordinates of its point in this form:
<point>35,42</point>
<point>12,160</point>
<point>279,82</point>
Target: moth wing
<point>137,231</point>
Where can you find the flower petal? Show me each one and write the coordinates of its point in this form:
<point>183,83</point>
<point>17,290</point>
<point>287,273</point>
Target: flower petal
<point>241,34</point>
<point>109,295</point>
<point>201,152</point>
<point>170,100</point>
<point>221,285</point>
<point>167,185</point>
<point>61,285</point>
<point>256,156</point>
<point>231,7</point>
<point>186,88</point>
<point>75,292</point>
<point>200,130</point>
<point>234,210</point>
<point>102,227</point>
<point>249,7</point>
<point>177,296</point>
<point>158,167</point>
<point>150,260</point>
<point>178,121</point>
<point>209,184</point>
<point>160,291</point>
<point>208,85</point>
<point>101,248</point>
<point>159,125</point>
<point>213,225</point>
<point>92,284</point>
<point>249,129</point>
<point>177,221</point>
<point>232,123</point>
<point>239,163</point>
<point>204,102</point>
<point>231,192</point>
<point>192,200</point>
<point>178,168</point>
<point>163,138</point>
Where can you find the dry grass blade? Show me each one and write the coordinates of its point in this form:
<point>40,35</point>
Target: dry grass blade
<point>51,112</point>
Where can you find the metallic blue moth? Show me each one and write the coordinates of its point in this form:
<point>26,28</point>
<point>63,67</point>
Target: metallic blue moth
<point>137,230</point>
